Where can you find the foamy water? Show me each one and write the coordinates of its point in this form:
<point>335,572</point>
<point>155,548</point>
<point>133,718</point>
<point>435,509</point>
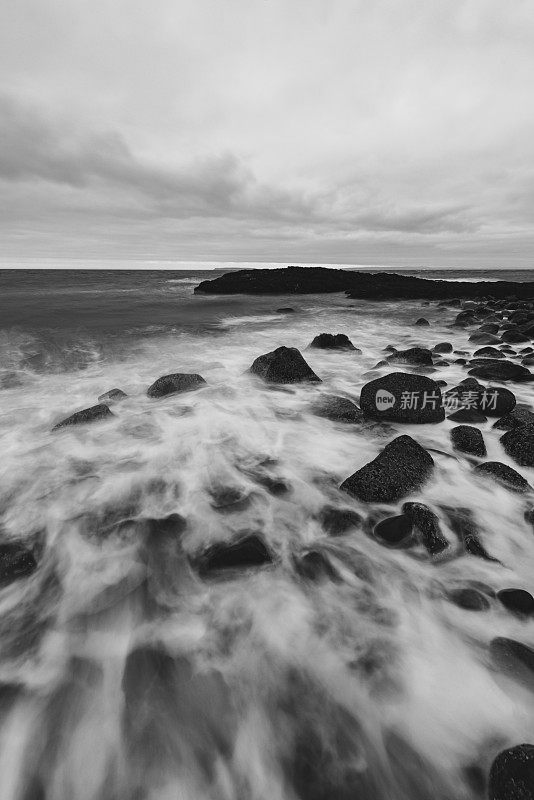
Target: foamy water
<point>125,676</point>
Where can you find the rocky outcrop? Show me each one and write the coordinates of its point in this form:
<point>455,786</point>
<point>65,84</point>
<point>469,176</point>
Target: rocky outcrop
<point>402,397</point>
<point>92,414</point>
<point>358,285</point>
<point>283,365</point>
<point>332,341</point>
<point>176,383</point>
<point>402,467</point>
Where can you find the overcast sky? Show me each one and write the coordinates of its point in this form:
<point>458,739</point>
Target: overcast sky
<point>348,131</point>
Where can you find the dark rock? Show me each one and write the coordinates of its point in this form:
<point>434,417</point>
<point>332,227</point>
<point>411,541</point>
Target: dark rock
<point>177,383</point>
<point>371,286</point>
<point>337,409</point>
<point>469,598</point>
<point>469,440</point>
<point>519,416</point>
<point>285,310</point>
<point>513,658</point>
<point>512,774</point>
<point>489,327</point>
<point>249,551</point>
<point>92,414</point>
<point>414,355</point>
<point>16,561</point>
<point>504,475</point>
<point>337,521</point>
<point>402,467</point>
<point>441,363</point>
<point>467,415</point>
<point>396,393</point>
<point>519,444</point>
<point>479,337</point>
<point>332,341</point>
<point>314,566</point>
<point>514,336</point>
<point>228,498</point>
<point>488,352</point>
<point>464,527</point>
<point>426,527</point>
<point>422,321</point>
<point>113,396</point>
<point>491,401</point>
<point>501,371</point>
<point>442,347</point>
<point>283,365</point>
<point>394,531</point>
<point>517,600</point>
<point>460,361</point>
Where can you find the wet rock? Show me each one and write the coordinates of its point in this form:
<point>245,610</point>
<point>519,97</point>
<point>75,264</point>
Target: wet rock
<point>422,322</point>
<point>285,310</point>
<point>513,336</point>
<point>491,401</point>
<point>479,337</point>
<point>512,774</point>
<point>488,352</point>
<point>518,601</point>
<point>283,365</point>
<point>249,551</point>
<point>467,415</point>
<point>469,440</point>
<point>463,525</point>
<point>521,415</point>
<point>176,383</point>
<point>402,467</point>
<point>403,397</point>
<point>332,341</point>
<point>395,531</point>
<point>501,371</point>
<point>16,561</point>
<point>337,521</point>
<point>337,409</point>
<point>469,598</point>
<point>113,396</point>
<point>229,498</point>
<point>519,444</point>
<point>504,475</point>
<point>489,327</point>
<point>92,414</point>
<point>414,355</point>
<point>314,566</point>
<point>426,527</point>
<point>442,347</point>
<point>513,658</point>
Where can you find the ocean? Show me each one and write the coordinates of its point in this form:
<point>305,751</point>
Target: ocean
<point>126,675</point>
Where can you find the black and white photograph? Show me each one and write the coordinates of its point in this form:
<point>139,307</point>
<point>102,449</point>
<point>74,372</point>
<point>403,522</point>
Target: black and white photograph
<point>267,400</point>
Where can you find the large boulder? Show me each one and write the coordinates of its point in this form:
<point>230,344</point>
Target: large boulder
<point>519,416</point>
<point>488,352</point>
<point>176,383</point>
<point>98,412</point>
<point>418,356</point>
<point>491,401</point>
<point>402,467</point>
<point>468,440</point>
<point>283,365</point>
<point>402,397</point>
<point>337,409</point>
<point>496,370</point>
<point>504,475</point>
<point>332,341</point>
<point>519,444</point>
<point>512,774</point>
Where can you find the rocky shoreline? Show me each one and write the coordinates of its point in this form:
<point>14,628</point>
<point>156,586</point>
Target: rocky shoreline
<point>358,285</point>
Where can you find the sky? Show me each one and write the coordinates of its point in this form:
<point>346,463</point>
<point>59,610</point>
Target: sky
<point>298,131</point>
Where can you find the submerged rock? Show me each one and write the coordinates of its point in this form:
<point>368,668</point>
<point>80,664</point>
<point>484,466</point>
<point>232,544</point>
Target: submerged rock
<point>513,658</point>
<point>113,396</point>
<point>16,561</point>
<point>465,528</point>
<point>249,551</point>
<point>426,527</point>
<point>512,774</point>
<point>337,521</point>
<point>394,531</point>
<point>403,397</point>
<point>314,566</point>
<point>92,414</point>
<point>283,365</point>
<point>176,383</point>
<point>469,440</point>
<point>518,601</point>
<point>504,475</point>
<point>501,371</point>
<point>285,310</point>
<point>332,341</point>
<point>337,409</point>
<point>519,444</point>
<point>402,467</point>
<point>422,322</point>
<point>469,598</point>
